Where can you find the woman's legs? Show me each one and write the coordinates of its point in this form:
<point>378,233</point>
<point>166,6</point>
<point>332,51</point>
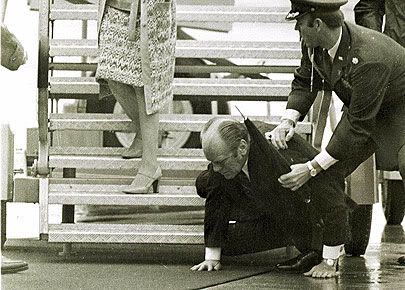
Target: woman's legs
<point>149,171</point>
<point>132,100</point>
<point>126,96</point>
<point>149,125</point>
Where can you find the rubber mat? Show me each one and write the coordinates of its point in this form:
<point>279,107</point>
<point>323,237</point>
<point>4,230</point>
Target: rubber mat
<point>157,267</point>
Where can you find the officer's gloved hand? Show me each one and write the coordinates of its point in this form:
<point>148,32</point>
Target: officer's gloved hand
<point>283,133</point>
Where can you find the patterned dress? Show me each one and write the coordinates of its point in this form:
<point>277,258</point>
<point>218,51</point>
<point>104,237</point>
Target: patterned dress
<point>147,61</point>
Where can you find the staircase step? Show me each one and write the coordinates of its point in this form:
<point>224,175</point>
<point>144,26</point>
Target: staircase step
<point>124,174</point>
<point>168,122</point>
<point>184,13</point>
<point>126,233</point>
<point>90,188</point>
<point>117,151</point>
<point>192,49</point>
<point>178,185</point>
<point>232,89</point>
<point>112,163</point>
<point>67,11</point>
<point>165,197</point>
<point>271,66</point>
<point>120,198</point>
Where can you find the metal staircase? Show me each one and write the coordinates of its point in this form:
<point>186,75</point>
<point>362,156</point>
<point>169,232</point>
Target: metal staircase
<point>95,175</point>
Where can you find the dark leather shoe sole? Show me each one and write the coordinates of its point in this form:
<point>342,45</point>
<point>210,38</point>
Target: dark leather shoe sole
<point>131,156</point>
<point>11,270</point>
<point>300,264</point>
<point>401,260</point>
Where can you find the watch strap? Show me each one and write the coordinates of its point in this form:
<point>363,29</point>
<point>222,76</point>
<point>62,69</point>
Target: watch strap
<point>312,170</point>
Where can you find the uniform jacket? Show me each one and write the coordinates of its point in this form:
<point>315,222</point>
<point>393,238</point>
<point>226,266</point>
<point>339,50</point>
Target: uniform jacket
<point>158,40</point>
<point>368,75</point>
<point>240,199</point>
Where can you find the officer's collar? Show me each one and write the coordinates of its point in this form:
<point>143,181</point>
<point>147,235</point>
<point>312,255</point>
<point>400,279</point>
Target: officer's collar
<point>333,50</point>
<point>344,46</point>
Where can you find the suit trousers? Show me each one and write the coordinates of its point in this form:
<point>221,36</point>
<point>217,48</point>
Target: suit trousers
<point>264,234</point>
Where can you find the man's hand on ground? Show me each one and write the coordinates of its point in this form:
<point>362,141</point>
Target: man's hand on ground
<point>207,265</point>
<point>296,178</point>
<point>281,134</point>
<point>322,270</point>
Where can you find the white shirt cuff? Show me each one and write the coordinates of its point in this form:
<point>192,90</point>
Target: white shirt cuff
<point>212,253</point>
<point>325,160</point>
<point>291,114</point>
<point>333,252</point>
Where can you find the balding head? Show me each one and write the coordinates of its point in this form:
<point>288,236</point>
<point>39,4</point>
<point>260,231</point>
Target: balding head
<point>222,139</point>
<point>211,140</point>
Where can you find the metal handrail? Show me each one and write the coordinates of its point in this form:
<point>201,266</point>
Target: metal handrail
<point>42,84</point>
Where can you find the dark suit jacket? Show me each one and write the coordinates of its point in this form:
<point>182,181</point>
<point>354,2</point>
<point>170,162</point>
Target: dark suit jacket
<point>241,199</point>
<point>368,75</point>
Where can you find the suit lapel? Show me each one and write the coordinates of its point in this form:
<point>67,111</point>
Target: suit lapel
<point>341,57</point>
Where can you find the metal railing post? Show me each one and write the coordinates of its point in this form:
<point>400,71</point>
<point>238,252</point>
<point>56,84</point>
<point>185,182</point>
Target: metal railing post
<point>43,57</point>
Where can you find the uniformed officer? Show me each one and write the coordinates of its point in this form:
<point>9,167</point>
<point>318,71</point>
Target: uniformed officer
<point>366,69</point>
<point>370,14</point>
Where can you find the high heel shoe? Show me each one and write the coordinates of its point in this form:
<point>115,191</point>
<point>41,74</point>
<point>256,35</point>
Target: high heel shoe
<point>143,183</point>
<point>133,151</point>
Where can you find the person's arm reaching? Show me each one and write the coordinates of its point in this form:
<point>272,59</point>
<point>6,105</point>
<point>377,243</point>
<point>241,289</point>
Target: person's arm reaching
<point>324,160</point>
<point>283,133</point>
<point>305,85</point>
<point>355,127</point>
<point>216,218</point>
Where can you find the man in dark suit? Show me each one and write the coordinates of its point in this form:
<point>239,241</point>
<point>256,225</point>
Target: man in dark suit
<point>366,70</point>
<point>247,210</point>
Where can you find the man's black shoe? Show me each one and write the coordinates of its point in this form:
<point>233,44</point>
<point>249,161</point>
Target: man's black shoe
<point>302,263</point>
<point>9,266</point>
<point>401,260</point>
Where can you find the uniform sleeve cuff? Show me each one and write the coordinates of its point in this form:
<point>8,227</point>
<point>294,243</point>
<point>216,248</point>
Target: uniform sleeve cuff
<point>212,253</point>
<point>325,160</point>
<point>333,252</point>
<point>291,114</point>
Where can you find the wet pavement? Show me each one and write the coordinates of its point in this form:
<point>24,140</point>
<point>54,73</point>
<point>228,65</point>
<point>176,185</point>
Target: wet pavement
<point>167,266</point>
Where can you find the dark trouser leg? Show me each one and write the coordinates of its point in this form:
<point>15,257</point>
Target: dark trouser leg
<point>3,223</point>
<point>395,20</point>
<point>307,236</point>
<point>401,161</point>
<point>256,236</point>
<point>369,13</point>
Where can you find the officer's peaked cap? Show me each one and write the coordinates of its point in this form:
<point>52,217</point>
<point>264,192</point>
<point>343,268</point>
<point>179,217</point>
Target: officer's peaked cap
<point>301,7</point>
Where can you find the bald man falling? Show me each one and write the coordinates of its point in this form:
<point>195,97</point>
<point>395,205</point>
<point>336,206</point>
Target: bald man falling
<point>246,212</point>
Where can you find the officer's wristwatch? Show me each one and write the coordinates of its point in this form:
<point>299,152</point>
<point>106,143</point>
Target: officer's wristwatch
<point>312,170</point>
<point>330,262</point>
